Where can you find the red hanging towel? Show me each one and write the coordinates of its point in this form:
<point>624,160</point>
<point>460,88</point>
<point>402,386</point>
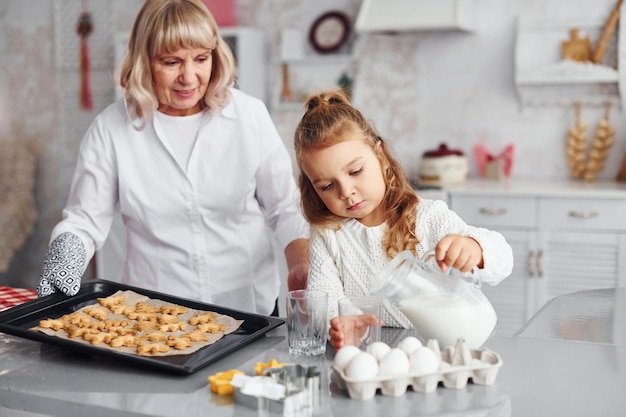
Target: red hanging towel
<point>84,29</point>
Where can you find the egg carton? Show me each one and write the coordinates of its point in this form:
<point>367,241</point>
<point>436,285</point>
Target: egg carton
<point>458,365</point>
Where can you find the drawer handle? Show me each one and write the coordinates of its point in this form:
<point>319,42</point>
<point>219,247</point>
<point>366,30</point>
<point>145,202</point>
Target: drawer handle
<point>583,214</point>
<point>491,211</point>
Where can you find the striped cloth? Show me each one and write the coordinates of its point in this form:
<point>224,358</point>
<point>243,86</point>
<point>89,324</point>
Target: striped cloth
<point>10,297</point>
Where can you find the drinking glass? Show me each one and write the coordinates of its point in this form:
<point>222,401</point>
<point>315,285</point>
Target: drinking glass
<point>360,320</point>
<point>307,312</point>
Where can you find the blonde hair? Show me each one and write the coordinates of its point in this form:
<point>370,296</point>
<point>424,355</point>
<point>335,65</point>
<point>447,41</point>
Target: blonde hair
<point>166,26</point>
<point>328,118</point>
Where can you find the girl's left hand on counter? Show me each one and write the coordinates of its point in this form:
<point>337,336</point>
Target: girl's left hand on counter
<point>349,330</point>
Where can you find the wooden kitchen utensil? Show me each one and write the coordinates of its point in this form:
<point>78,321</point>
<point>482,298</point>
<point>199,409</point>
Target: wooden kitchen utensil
<point>576,48</point>
<point>609,29</point>
<point>575,145</point>
<point>602,142</point>
<point>621,174</point>
<point>285,94</point>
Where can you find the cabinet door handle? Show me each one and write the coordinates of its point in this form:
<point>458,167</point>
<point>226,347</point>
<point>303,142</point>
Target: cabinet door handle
<point>531,263</point>
<point>583,214</point>
<point>492,211</point>
<point>539,263</point>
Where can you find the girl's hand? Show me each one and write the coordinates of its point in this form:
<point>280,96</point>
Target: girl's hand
<point>349,330</point>
<point>459,252</point>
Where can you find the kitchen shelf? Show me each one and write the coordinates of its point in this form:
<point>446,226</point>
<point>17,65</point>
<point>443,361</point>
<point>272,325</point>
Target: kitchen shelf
<point>570,72</point>
<point>320,59</point>
<point>290,106</point>
<point>543,78</point>
<point>310,74</point>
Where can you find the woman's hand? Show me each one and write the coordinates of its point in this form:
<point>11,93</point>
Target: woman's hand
<point>349,330</point>
<point>458,252</point>
<point>298,259</point>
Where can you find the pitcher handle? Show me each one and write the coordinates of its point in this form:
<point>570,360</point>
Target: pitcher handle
<point>429,258</point>
<point>429,262</point>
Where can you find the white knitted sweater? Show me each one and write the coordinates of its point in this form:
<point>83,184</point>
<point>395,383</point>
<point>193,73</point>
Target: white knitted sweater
<point>345,262</point>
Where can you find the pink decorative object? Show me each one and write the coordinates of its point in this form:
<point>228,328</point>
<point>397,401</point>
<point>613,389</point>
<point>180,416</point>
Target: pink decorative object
<point>494,166</point>
<point>223,11</point>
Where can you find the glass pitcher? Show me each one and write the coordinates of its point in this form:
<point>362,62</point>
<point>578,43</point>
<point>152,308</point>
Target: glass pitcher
<point>439,306</point>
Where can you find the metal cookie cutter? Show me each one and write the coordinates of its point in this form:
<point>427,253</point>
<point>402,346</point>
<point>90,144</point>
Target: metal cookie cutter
<point>302,392</point>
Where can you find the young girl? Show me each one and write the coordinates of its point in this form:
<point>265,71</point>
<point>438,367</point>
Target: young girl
<point>363,212</point>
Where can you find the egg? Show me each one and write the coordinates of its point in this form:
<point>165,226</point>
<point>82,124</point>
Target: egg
<point>409,345</point>
<point>395,362</point>
<point>345,355</point>
<point>378,350</point>
<point>362,367</point>
<point>424,361</point>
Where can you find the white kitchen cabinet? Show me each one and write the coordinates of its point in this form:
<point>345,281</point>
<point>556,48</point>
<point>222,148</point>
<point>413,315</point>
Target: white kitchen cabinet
<point>514,299</point>
<point>576,261</point>
<point>249,46</point>
<point>565,237</point>
<point>416,15</point>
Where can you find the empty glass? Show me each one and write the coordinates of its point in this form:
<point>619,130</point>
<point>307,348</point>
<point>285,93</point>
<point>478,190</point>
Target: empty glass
<point>307,312</point>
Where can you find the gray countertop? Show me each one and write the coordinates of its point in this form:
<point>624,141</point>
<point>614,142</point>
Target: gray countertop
<point>541,188</point>
<point>546,372</point>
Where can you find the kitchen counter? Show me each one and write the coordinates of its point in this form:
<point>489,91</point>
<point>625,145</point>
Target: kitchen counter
<point>545,372</point>
<point>597,316</point>
<point>541,188</point>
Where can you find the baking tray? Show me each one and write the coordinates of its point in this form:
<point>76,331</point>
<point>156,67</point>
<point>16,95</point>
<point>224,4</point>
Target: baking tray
<point>17,320</point>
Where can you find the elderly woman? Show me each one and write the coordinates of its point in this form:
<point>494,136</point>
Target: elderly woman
<point>196,168</point>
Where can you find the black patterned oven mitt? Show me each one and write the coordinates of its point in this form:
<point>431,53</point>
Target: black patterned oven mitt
<point>63,266</point>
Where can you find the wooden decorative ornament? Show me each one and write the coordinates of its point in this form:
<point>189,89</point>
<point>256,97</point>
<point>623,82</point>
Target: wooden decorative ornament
<point>576,48</point>
<point>602,142</point>
<point>575,146</point>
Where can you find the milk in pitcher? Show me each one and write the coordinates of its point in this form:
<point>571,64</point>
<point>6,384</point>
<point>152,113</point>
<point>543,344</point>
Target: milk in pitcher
<point>446,317</point>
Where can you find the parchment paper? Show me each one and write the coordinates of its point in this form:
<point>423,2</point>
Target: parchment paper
<point>132,298</point>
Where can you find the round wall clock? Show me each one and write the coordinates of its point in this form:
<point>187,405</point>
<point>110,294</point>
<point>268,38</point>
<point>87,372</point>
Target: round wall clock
<point>329,32</point>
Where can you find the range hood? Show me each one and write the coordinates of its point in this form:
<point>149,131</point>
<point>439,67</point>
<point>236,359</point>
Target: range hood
<point>415,15</point>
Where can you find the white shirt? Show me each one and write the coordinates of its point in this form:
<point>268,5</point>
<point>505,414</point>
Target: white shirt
<point>201,232</point>
<point>181,132</point>
<point>346,262</point>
